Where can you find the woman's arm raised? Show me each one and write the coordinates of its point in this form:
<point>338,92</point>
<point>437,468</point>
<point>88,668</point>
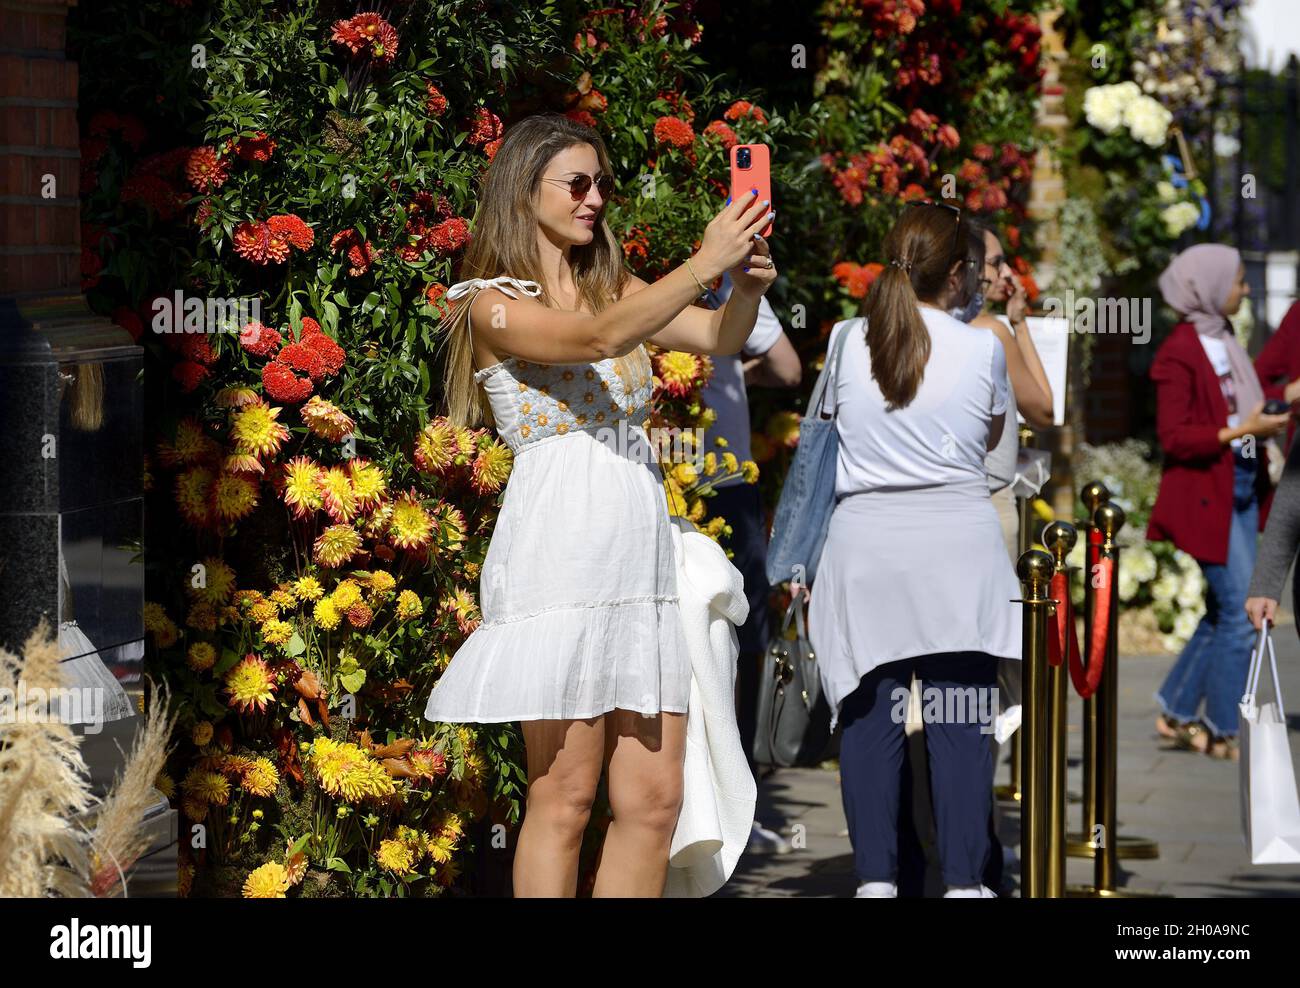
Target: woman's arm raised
<point>523,327</point>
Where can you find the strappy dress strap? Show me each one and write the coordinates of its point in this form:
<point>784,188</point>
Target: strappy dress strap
<point>504,284</point>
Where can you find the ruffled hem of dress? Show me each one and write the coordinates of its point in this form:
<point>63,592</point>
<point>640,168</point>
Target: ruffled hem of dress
<point>501,673</point>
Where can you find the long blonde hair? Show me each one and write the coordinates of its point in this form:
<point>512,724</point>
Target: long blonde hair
<point>504,242</point>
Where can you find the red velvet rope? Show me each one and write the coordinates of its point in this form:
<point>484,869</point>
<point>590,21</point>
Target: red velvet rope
<point>1087,680</point>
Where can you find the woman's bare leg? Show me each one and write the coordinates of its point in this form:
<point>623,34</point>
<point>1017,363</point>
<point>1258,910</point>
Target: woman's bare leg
<point>645,757</point>
<point>564,763</point>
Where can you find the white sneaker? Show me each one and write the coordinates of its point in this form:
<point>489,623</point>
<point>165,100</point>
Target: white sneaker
<point>764,841</point>
<point>877,890</point>
<point>970,892</point>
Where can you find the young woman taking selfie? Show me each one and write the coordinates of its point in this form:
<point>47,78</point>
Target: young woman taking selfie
<point>581,639</point>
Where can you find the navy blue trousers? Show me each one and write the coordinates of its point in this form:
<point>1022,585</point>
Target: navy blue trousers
<point>961,767</point>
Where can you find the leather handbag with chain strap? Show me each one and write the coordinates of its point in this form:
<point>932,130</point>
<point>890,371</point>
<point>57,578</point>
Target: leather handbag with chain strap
<point>793,715</point>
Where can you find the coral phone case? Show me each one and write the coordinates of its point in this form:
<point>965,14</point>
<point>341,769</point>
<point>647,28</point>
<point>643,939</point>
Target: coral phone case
<point>756,176</point>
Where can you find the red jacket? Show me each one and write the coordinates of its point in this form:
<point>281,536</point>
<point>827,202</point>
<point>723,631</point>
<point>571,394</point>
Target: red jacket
<point>1193,508</point>
<point>1278,364</point>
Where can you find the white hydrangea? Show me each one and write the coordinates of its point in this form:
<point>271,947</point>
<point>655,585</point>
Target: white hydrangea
<point>1192,591</point>
<point>1179,217</point>
<point>1147,120</point>
<point>1166,588</point>
<point>1129,585</point>
<point>1185,624</point>
<point>1166,191</point>
<point>1141,562</point>
<point>1105,106</point>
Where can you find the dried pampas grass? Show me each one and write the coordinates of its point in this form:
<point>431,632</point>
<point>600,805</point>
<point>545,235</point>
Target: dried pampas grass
<point>44,785</point>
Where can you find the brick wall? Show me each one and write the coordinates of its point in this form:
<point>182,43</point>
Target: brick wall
<point>39,211</point>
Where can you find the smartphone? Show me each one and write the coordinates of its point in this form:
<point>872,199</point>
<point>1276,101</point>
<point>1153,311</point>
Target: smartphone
<point>751,169</point>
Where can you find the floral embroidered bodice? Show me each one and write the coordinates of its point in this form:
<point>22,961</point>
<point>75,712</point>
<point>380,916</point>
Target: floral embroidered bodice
<point>531,401</point>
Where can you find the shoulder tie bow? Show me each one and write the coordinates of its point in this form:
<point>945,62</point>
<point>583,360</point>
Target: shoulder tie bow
<point>504,284</point>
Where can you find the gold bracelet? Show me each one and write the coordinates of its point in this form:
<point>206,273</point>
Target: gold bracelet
<point>691,269</point>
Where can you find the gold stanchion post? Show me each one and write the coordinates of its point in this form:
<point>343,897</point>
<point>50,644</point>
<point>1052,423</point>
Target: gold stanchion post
<point>1059,537</point>
<point>1010,791</point>
<point>1035,571</point>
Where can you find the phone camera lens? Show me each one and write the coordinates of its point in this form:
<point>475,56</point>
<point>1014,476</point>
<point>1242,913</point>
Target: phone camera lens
<point>742,158</point>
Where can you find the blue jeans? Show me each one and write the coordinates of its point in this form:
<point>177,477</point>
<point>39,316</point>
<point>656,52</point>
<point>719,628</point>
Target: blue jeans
<point>1214,662</point>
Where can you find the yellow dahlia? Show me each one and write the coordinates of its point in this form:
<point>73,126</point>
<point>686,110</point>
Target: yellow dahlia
<point>395,856</point>
<point>462,606</point>
<point>325,420</point>
<point>202,733</point>
<point>242,463</point>
<point>491,467</point>
<point>302,486</point>
<point>783,428</point>
<point>344,770</point>
<point>336,545</point>
<point>235,397</point>
<point>261,778</point>
<point>308,588</point>
<point>158,624</point>
<point>269,881</point>
<point>277,632</point>
<point>165,784</point>
<point>339,497</point>
<point>409,606</point>
<point>200,656</point>
<point>194,808</point>
<point>255,430</point>
<point>411,527</point>
<point>202,616</point>
<point>284,598</point>
<point>209,787</point>
<point>326,614</point>
<point>452,527</point>
<point>345,594</point>
<point>217,581</point>
<point>685,474</point>
<point>749,471</point>
<point>193,495</point>
<point>190,445</point>
<point>679,371</point>
<point>441,848</point>
<point>264,610</point>
<point>439,446</point>
<point>368,483</point>
<point>295,864</point>
<point>233,496</point>
<point>251,684</point>
<point>382,585</point>
<point>710,463</point>
<point>729,462</point>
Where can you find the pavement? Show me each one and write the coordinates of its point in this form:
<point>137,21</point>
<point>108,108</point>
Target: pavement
<point>1186,802</point>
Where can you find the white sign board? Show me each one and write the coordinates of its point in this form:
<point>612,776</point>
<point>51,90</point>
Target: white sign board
<point>1051,336</point>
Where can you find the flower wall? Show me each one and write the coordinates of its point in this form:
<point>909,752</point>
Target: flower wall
<point>316,529</point>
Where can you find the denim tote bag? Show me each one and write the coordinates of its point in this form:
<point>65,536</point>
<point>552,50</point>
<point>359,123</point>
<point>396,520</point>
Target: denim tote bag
<point>803,512</point>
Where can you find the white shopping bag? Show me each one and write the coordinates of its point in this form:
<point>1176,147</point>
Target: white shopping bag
<point>1270,808</point>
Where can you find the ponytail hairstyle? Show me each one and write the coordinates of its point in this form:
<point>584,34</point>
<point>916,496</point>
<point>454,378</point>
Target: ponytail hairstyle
<point>504,242</point>
<point>921,249</point>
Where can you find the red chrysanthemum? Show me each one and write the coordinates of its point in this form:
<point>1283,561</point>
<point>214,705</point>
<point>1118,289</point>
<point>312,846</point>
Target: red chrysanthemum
<point>361,253</point>
<point>259,340</point>
<point>367,34</point>
<point>674,131</point>
<point>744,109</point>
<point>332,356</point>
<point>259,147</point>
<point>304,358</point>
<point>448,236</point>
<point>293,229</point>
<point>948,137</point>
<point>436,103</point>
<point>205,170</point>
<point>434,294</point>
<point>485,127</point>
<point>719,130</point>
<point>283,385</point>
<point>491,147</point>
<point>256,242</point>
<point>189,374</point>
<point>582,117</point>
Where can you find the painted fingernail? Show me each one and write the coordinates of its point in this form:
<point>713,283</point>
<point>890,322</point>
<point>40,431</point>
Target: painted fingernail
<point>753,192</point>
<point>746,267</point>
<point>771,214</point>
<point>767,202</point>
<point>728,202</point>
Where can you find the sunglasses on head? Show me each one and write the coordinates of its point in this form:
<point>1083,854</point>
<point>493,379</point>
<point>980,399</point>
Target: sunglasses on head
<point>956,242</point>
<point>580,185</point>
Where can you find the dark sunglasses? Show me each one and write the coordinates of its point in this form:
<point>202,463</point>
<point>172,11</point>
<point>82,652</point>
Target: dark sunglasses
<point>580,185</point>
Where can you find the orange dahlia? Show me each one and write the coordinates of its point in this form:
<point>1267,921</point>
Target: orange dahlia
<point>292,229</point>
<point>336,545</point>
<point>368,483</point>
<point>250,685</point>
<point>206,170</point>
<point>258,243</point>
<point>336,490</point>
<point>325,420</point>
<point>491,467</point>
<point>679,371</point>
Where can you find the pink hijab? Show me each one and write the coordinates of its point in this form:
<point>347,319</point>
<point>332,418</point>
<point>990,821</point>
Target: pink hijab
<point>1196,285</point>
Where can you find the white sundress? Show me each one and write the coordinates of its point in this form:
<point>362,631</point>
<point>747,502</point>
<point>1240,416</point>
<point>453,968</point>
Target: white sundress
<point>578,589</point>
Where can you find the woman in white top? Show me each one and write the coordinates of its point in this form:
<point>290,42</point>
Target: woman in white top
<point>914,577</point>
<point>581,637</point>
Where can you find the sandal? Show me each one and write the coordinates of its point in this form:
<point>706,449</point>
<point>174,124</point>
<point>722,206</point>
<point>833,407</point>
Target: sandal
<point>1166,726</point>
<point>1226,749</point>
<point>1192,736</point>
